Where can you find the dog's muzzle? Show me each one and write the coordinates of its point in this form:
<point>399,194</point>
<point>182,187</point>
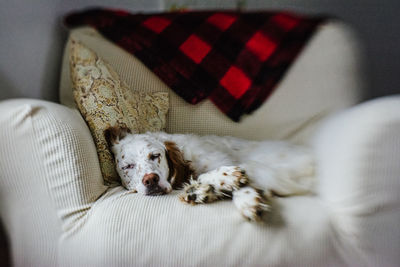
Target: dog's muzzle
<point>150,181</point>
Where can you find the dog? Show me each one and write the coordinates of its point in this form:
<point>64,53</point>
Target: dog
<point>209,168</point>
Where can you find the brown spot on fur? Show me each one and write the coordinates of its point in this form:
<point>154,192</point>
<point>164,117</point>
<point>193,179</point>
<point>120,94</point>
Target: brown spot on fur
<point>123,156</point>
<point>179,168</point>
<point>224,174</point>
<point>115,133</point>
<point>222,183</point>
<point>237,173</point>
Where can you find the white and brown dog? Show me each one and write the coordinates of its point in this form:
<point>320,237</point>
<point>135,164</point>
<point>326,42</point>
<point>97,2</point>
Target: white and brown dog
<point>211,168</point>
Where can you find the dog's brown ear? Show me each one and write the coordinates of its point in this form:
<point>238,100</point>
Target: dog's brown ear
<point>115,134</point>
<point>179,169</point>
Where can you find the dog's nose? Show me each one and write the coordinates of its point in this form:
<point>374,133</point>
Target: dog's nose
<point>150,180</point>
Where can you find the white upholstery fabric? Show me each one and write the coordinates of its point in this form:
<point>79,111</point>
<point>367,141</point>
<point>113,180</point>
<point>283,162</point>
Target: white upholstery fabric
<point>324,78</point>
<point>130,229</point>
<point>28,216</point>
<point>358,153</point>
<point>50,176</point>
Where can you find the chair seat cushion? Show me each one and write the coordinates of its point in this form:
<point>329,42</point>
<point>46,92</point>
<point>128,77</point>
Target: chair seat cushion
<point>130,229</point>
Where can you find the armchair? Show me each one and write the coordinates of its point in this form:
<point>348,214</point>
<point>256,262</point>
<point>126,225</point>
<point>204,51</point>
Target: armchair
<point>57,212</point>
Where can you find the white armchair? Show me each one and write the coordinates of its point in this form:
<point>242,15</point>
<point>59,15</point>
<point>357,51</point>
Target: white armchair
<point>57,212</point>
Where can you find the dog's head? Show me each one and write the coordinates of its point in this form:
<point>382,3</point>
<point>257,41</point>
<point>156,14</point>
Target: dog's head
<point>145,164</point>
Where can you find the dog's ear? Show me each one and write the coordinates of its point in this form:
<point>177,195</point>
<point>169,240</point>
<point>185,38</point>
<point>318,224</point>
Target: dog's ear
<point>115,134</point>
<point>179,169</point>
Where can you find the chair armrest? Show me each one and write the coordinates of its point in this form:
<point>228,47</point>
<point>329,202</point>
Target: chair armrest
<point>48,155</point>
<point>358,159</point>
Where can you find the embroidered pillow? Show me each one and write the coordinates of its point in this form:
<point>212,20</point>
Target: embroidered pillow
<point>105,101</point>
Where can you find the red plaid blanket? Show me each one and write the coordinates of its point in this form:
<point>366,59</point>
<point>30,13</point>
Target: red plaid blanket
<point>233,58</point>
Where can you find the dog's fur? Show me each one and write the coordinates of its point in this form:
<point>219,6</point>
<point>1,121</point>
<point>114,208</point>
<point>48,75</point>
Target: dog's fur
<point>211,168</point>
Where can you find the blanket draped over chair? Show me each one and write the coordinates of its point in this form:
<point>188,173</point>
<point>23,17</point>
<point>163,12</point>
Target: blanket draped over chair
<point>233,58</point>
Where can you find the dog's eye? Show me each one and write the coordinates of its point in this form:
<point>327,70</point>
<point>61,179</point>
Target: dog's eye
<point>129,166</point>
<point>155,156</point>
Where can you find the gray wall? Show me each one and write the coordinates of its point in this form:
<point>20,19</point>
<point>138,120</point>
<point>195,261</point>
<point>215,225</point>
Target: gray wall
<point>32,37</point>
<point>31,42</point>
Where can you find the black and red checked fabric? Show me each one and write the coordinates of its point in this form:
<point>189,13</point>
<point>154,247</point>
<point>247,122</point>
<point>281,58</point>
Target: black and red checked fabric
<point>233,58</point>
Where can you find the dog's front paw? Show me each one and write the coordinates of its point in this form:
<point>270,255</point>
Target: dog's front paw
<point>225,179</point>
<point>198,193</point>
<point>251,203</point>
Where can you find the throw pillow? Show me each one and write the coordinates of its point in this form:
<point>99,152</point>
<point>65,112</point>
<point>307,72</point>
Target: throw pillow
<point>105,101</point>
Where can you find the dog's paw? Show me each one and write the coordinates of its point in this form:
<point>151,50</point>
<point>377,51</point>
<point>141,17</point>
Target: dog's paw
<point>251,203</point>
<point>225,179</point>
<point>199,193</point>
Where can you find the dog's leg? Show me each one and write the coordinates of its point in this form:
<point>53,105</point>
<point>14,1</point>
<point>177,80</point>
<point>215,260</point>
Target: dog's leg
<point>225,179</point>
<point>252,203</point>
<point>213,185</point>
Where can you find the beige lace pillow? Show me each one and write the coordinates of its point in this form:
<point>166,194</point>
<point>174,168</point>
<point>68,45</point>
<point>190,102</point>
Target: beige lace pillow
<point>105,101</point>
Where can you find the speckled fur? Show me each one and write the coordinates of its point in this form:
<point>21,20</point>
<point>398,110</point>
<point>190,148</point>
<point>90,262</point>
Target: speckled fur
<point>215,168</point>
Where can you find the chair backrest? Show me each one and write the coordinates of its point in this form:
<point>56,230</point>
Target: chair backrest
<point>324,78</point>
